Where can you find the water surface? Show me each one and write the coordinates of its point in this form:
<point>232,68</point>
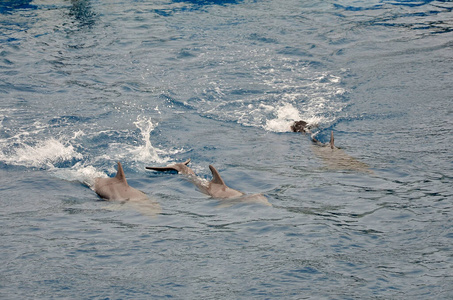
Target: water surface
<point>84,84</point>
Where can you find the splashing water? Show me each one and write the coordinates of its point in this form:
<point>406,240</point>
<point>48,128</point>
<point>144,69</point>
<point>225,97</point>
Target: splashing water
<point>45,154</point>
<point>286,115</point>
<point>80,173</point>
<point>147,152</point>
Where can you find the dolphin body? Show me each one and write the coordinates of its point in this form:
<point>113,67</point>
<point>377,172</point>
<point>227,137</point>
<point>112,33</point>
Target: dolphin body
<point>335,158</point>
<point>216,188</point>
<point>117,189</point>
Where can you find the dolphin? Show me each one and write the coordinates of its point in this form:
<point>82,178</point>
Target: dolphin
<point>335,158</point>
<point>302,126</point>
<point>117,189</point>
<point>216,188</point>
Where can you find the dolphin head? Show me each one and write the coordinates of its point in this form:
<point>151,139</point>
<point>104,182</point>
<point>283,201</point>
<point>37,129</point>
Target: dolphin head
<point>300,126</point>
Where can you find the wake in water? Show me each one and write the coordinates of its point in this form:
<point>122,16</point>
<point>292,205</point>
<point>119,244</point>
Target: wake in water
<point>316,102</point>
<point>44,154</point>
<point>286,115</point>
<point>273,89</point>
<point>67,157</point>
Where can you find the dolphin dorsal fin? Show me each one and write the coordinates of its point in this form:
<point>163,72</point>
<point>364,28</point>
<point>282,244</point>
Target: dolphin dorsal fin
<point>120,174</point>
<point>216,176</point>
<point>331,140</point>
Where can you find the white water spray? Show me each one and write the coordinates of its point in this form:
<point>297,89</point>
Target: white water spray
<point>146,152</point>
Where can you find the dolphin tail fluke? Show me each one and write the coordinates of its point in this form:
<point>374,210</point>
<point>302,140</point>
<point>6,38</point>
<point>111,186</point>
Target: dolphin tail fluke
<point>216,176</point>
<point>162,169</point>
<point>120,174</point>
<point>176,167</point>
<point>332,145</point>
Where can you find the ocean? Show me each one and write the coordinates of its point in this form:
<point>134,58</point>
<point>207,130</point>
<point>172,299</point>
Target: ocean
<point>87,83</point>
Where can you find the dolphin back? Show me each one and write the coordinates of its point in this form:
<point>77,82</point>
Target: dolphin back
<point>117,188</point>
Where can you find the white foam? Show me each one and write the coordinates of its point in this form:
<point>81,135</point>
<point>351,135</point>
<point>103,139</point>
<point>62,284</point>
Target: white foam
<point>44,154</point>
<point>311,97</point>
<point>142,151</point>
<point>79,172</point>
<point>286,115</point>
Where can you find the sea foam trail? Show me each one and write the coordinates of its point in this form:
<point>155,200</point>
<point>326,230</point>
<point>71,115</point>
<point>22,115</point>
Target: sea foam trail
<point>49,155</point>
<point>66,157</point>
<point>44,154</point>
<point>128,154</point>
<point>274,91</point>
<point>286,114</point>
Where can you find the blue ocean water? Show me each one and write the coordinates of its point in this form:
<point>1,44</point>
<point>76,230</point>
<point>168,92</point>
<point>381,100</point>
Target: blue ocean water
<point>84,84</point>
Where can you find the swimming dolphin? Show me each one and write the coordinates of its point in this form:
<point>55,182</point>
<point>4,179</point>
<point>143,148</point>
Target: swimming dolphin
<point>299,126</point>
<point>302,126</point>
<point>117,188</point>
<point>335,158</point>
<point>216,188</point>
